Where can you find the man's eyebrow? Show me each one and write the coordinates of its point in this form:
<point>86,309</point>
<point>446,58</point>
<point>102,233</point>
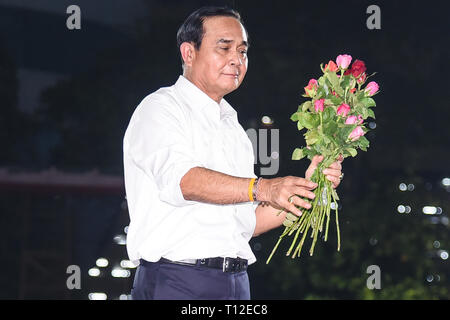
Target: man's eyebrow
<point>226,41</point>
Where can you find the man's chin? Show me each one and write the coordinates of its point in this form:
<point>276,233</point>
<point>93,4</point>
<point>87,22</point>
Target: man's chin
<point>231,86</point>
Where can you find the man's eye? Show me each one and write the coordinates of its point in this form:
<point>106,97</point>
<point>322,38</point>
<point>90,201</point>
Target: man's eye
<point>244,52</point>
<point>225,48</point>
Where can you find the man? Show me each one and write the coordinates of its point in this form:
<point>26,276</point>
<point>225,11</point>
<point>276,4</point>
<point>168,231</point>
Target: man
<point>189,173</point>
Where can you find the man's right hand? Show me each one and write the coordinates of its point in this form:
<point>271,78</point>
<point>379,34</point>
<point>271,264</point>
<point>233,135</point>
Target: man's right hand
<point>277,192</point>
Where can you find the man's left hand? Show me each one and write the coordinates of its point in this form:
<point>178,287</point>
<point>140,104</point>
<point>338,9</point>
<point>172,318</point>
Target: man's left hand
<point>332,173</point>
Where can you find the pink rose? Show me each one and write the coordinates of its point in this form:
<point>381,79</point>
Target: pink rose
<point>372,88</point>
<point>362,78</point>
<point>343,61</point>
<point>343,110</point>
<point>354,119</point>
<point>360,119</point>
<point>318,105</point>
<point>311,88</point>
<point>356,133</point>
<point>331,66</point>
<point>351,120</point>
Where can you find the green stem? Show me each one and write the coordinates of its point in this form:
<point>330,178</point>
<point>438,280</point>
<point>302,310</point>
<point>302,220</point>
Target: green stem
<point>293,242</point>
<point>276,246</point>
<point>328,215</point>
<point>298,250</point>
<point>298,223</point>
<point>337,226</point>
<point>318,216</point>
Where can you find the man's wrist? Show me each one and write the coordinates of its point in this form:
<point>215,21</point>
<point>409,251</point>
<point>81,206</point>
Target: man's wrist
<point>260,189</point>
<point>255,189</point>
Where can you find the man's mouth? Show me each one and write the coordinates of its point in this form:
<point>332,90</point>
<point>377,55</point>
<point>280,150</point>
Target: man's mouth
<point>234,75</point>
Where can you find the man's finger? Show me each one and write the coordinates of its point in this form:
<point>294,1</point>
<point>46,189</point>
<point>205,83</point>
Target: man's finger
<point>334,179</point>
<point>332,172</point>
<point>303,192</point>
<point>300,202</point>
<point>335,165</point>
<point>316,160</point>
<point>302,182</point>
<point>292,208</point>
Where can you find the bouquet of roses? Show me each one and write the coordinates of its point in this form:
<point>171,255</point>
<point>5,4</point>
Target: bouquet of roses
<point>334,122</point>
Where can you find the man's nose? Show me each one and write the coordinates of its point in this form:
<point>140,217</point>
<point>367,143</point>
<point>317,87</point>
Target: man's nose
<point>236,59</point>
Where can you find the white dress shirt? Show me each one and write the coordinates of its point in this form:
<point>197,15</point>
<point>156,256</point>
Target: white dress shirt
<point>171,131</point>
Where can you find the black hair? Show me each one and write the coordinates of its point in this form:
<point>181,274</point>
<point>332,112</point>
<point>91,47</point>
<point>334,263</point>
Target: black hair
<point>192,28</point>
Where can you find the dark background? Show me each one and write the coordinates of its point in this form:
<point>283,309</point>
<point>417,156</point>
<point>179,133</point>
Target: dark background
<point>66,97</point>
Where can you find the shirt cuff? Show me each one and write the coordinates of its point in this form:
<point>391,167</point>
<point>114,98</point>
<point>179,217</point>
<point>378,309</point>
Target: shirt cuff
<point>172,193</point>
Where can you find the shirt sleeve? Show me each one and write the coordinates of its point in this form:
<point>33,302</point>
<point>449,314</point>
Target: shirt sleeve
<point>160,145</point>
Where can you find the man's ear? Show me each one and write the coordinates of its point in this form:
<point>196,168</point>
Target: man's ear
<point>187,51</point>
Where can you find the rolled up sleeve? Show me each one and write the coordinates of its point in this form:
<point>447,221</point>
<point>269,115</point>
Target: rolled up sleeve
<point>160,144</point>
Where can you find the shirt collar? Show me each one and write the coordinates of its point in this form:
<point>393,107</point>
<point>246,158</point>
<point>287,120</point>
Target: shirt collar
<point>199,100</point>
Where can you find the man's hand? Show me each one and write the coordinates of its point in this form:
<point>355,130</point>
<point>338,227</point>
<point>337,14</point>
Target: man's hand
<point>277,191</point>
<point>332,173</point>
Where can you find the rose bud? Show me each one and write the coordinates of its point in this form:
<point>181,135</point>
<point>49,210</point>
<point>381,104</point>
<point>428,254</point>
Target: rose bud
<point>311,88</point>
<point>331,66</point>
<point>356,133</point>
<point>343,61</point>
<point>351,120</point>
<point>343,110</point>
<point>358,67</point>
<point>371,88</point>
<point>318,105</point>
<point>362,78</point>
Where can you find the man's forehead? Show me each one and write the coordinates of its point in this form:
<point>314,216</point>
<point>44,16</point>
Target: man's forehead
<point>224,29</point>
<point>231,41</point>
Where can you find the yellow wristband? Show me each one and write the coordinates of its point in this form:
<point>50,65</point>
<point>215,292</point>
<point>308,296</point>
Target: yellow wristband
<point>250,189</point>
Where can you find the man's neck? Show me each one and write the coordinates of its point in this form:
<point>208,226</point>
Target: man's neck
<point>199,85</point>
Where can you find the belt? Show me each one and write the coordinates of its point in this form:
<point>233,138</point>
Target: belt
<point>226,264</point>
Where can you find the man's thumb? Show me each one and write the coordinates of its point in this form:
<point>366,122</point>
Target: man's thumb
<point>316,160</point>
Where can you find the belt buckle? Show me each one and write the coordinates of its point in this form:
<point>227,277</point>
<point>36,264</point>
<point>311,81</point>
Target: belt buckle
<point>225,264</point>
<point>237,266</point>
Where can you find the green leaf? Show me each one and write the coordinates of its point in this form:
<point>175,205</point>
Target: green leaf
<point>310,153</point>
<point>345,82</point>
<point>308,120</point>
<point>335,100</point>
<point>339,91</point>
<point>294,116</point>
<point>363,142</point>
<point>306,106</point>
<point>371,113</point>
<point>299,125</point>
<point>328,114</point>
<point>361,95</point>
<point>345,132</point>
<point>330,128</point>
<point>311,137</point>
<point>364,113</point>
<point>320,93</point>
<point>321,81</point>
<point>352,151</point>
<point>333,79</point>
<point>368,102</point>
<point>297,154</point>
